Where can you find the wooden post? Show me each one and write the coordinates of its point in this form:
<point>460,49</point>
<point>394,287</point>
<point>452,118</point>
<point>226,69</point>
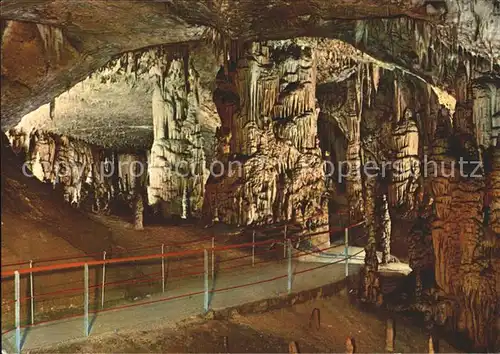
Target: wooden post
<point>253,248</point>
<point>290,272</point>
<point>17,298</point>
<point>162,268</point>
<point>32,295</point>
<point>346,250</point>
<point>103,278</point>
<point>205,256</point>
<point>389,335</point>
<point>86,300</point>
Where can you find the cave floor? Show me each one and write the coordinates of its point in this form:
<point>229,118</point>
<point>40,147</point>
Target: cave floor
<point>265,333</point>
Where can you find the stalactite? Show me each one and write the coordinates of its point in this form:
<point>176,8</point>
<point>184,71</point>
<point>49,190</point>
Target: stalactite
<point>376,76</point>
<point>52,108</point>
<point>53,40</point>
<point>397,100</point>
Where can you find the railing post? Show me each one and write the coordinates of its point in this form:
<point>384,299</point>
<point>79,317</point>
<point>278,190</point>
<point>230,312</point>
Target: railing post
<point>253,248</point>
<point>205,303</point>
<point>32,295</point>
<point>86,300</point>
<point>284,242</point>
<point>17,295</point>
<point>213,258</point>
<point>103,278</point>
<point>290,272</point>
<point>346,248</point>
<point>162,268</point>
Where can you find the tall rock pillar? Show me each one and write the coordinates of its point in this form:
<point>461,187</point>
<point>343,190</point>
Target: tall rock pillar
<point>176,169</point>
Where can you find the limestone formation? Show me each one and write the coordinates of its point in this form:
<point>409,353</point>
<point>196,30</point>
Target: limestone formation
<point>420,248</point>
<point>383,227</point>
<point>370,282</point>
<point>406,167</point>
<point>273,168</point>
<point>381,87</point>
<point>138,211</point>
<point>486,95</point>
<point>462,269</point>
<point>88,175</point>
<point>353,154</point>
<point>177,171</point>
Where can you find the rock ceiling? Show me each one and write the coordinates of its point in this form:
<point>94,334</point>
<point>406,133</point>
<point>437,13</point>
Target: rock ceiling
<point>49,46</point>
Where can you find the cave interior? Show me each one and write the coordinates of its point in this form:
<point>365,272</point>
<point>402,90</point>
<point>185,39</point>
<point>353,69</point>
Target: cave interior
<point>315,114</point>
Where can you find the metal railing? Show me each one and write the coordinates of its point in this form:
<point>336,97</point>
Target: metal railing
<point>209,271</point>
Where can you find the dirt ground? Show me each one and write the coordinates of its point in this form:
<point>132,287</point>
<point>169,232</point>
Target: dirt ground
<point>269,332</point>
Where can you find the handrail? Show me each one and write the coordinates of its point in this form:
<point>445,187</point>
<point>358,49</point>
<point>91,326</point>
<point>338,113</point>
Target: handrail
<point>90,255</point>
<point>62,266</point>
<point>264,227</point>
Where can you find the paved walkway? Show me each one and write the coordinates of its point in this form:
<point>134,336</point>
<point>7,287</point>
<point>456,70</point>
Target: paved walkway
<point>175,310</point>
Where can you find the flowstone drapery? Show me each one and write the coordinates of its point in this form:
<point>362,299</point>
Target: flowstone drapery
<point>177,171</point>
<point>273,168</point>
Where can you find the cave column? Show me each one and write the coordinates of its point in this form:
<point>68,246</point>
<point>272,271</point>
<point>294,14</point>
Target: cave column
<point>177,171</point>
<point>370,286</point>
<point>384,227</point>
<point>353,180</point>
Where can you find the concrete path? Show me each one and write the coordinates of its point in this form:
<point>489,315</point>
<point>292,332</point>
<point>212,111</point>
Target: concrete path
<point>173,311</point>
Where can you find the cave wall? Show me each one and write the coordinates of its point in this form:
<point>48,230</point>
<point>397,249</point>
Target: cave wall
<point>267,102</point>
<point>88,176</point>
<point>423,135</point>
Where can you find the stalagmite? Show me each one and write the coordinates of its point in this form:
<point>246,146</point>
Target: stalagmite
<point>384,228</point>
<point>292,348</point>
<point>52,108</point>
<point>389,335</point>
<point>431,345</point>
<point>349,345</point>
<point>138,212</point>
<point>419,239</point>
<point>463,264</point>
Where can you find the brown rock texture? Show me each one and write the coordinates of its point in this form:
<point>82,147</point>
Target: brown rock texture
<point>462,268</point>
